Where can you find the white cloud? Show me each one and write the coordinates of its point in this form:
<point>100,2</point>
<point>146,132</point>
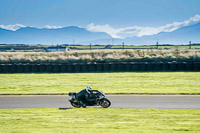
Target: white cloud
<point>52,27</point>
<point>104,28</point>
<point>123,32</point>
<point>141,31</point>
<point>12,27</point>
<point>18,26</point>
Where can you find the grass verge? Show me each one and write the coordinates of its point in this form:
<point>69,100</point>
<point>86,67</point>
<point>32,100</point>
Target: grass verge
<point>98,120</point>
<point>118,83</point>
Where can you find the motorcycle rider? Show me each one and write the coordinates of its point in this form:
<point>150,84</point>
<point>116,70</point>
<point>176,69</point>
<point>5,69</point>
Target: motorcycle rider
<point>85,95</point>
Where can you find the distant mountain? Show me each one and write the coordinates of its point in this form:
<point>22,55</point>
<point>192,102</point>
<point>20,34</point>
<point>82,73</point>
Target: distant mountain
<point>30,35</point>
<point>180,36</point>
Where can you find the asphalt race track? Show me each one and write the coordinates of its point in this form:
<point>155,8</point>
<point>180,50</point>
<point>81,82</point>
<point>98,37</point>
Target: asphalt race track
<point>123,101</point>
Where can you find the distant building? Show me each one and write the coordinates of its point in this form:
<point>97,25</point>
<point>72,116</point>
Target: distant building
<point>54,49</point>
<point>5,49</point>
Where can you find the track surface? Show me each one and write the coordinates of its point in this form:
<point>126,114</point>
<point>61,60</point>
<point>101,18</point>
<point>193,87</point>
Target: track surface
<point>129,101</point>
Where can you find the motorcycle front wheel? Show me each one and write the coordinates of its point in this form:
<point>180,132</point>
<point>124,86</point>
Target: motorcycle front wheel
<point>105,103</point>
<point>75,104</point>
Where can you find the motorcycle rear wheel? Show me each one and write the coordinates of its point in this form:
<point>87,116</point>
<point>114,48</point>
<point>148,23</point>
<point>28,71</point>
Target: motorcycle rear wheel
<point>105,103</point>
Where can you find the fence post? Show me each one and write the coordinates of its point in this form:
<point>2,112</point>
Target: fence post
<point>190,45</point>
<point>90,46</point>
<point>123,45</point>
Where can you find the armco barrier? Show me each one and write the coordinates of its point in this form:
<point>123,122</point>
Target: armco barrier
<point>196,66</point>
<point>49,68</point>
<point>120,66</point>
<point>165,66</point>
<point>92,67</point>
<point>135,67</point>
<point>77,68</point>
<point>63,68</point>
<point>128,66</point>
<point>113,66</point>
<point>56,68</point>
<point>143,66</point>
<point>181,66</point>
<point>157,66</point>
<point>84,67</point>
<point>172,66</point>
<point>70,68</point>
<point>106,67</point>
<point>189,66</point>
<point>99,67</point>
<point>150,66</point>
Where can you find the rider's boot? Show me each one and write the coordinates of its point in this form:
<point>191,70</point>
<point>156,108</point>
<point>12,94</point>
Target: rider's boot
<point>82,104</point>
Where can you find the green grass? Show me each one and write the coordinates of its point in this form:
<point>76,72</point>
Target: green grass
<point>98,120</point>
<point>134,47</point>
<point>86,46</point>
<point>122,82</point>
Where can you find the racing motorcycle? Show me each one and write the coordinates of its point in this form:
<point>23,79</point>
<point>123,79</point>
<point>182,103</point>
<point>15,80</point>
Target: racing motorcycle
<point>101,100</point>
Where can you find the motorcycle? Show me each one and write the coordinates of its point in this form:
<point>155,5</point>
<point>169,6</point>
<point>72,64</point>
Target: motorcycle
<point>101,100</point>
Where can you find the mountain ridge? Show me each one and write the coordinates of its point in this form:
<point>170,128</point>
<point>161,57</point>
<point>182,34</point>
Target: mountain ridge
<point>32,35</point>
<point>74,34</point>
<point>180,36</point>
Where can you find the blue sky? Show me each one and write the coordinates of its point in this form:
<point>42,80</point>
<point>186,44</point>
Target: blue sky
<point>114,13</point>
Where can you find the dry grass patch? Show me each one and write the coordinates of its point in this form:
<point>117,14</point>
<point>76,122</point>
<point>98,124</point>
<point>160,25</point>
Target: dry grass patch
<point>100,55</point>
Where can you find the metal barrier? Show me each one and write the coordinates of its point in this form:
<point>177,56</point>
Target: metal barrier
<point>100,67</point>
